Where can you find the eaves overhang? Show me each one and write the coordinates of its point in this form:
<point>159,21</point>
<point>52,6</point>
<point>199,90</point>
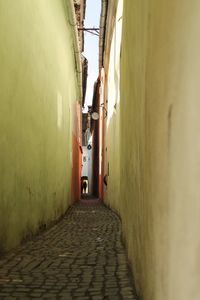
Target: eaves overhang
<point>107,20</point>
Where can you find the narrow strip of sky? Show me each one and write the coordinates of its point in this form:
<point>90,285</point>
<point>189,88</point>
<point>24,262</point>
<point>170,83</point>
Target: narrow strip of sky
<point>91,46</point>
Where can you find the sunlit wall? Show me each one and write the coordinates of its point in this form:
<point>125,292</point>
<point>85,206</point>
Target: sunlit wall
<point>38,86</point>
<point>112,95</point>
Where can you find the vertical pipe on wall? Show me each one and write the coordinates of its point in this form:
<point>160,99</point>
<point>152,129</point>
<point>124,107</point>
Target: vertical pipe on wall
<point>72,21</point>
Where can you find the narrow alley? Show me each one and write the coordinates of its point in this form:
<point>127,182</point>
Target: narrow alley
<point>81,257</point>
<point>100,99</point>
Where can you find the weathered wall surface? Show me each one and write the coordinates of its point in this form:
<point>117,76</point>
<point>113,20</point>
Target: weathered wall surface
<point>159,192</point>
<point>38,86</point>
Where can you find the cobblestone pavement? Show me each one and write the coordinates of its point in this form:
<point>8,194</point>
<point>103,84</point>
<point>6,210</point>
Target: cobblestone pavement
<point>81,257</point>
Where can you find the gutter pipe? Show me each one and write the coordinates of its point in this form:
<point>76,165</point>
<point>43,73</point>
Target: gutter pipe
<point>69,4</point>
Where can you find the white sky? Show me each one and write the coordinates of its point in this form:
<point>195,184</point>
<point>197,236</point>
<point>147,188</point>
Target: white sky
<point>91,46</point>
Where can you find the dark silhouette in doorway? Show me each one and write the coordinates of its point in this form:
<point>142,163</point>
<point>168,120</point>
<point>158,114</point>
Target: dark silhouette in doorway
<point>84,187</point>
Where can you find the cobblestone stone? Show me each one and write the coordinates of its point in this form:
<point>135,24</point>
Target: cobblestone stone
<point>81,257</point>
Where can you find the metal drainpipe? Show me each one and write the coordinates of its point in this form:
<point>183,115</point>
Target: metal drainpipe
<point>103,17</point>
<point>72,22</point>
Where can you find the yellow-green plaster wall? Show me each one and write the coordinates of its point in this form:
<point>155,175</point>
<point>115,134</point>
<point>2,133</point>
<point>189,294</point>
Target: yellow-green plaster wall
<point>38,86</point>
<point>159,153</point>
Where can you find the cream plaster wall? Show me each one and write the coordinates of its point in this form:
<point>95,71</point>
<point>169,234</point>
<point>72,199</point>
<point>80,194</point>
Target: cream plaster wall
<point>159,153</point>
<point>112,91</point>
